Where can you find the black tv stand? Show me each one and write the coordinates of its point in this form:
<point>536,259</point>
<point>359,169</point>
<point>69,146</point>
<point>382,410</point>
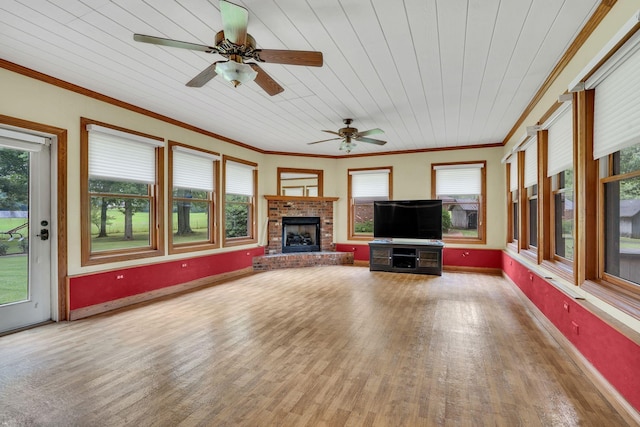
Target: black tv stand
<point>406,257</point>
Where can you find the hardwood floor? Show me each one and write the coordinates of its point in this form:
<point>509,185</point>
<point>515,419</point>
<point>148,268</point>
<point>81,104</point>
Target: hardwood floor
<point>331,345</point>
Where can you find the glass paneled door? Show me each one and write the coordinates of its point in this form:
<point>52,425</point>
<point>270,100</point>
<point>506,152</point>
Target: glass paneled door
<point>25,248</point>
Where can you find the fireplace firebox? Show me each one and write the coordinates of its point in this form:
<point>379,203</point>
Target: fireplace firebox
<point>300,234</point>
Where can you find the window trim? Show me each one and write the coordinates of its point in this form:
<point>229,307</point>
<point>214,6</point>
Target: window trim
<point>253,211</point>
<point>351,234</point>
<point>156,196</point>
<point>213,202</point>
<point>482,209</point>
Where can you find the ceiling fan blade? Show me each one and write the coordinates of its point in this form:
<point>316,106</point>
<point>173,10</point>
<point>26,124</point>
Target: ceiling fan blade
<point>324,140</point>
<point>204,77</point>
<point>375,131</point>
<point>330,131</point>
<point>173,43</point>
<point>291,57</point>
<point>265,81</point>
<point>370,140</point>
<point>234,22</point>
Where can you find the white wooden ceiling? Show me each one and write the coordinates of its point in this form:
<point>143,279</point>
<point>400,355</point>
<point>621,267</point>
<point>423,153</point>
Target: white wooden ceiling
<point>431,73</point>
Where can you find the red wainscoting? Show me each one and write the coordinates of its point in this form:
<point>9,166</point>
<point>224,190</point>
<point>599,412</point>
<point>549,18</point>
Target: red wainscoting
<point>614,355</point>
<point>97,288</point>
<point>360,252</point>
<point>453,257</point>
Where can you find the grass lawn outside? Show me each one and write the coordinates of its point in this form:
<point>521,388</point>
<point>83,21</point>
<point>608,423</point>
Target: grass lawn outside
<point>140,224</point>
<point>13,285</point>
<point>460,232</point>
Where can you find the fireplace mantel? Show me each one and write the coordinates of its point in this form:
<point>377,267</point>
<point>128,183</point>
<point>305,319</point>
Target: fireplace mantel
<point>301,198</point>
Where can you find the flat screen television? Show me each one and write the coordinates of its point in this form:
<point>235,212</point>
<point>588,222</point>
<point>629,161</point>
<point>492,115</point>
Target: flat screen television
<point>407,219</point>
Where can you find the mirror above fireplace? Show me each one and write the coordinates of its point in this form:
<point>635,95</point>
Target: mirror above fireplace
<point>300,182</point>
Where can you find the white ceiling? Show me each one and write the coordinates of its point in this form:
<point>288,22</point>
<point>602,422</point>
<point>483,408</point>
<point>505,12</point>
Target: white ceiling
<point>431,73</point>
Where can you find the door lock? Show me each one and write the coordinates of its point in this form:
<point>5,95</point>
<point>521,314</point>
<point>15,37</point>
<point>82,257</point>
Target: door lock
<point>44,234</point>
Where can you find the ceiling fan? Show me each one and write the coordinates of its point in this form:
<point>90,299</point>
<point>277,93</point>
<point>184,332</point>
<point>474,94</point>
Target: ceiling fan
<point>349,134</point>
<point>235,44</point>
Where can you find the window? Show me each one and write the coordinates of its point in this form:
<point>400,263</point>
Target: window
<point>121,194</point>
<point>560,170</point>
<point>192,174</point>
<point>239,201</point>
<point>531,187</point>
<point>621,244</point>
<point>366,186</point>
<point>562,215</point>
<point>462,189</point>
<point>611,101</point>
<point>513,197</point>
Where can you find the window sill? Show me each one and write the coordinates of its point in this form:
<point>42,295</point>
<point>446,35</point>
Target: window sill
<point>471,241</point>
<point>624,300</point>
<point>97,259</point>
<point>361,237</point>
<point>560,269</point>
<point>239,241</point>
<point>181,249</point>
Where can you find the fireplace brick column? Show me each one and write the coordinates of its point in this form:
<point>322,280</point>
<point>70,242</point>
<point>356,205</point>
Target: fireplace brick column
<point>279,206</point>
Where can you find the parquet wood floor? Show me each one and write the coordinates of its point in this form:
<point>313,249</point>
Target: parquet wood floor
<point>319,346</point>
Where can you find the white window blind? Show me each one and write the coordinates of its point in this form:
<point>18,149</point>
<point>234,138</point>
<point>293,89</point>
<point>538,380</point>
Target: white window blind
<point>617,104</point>
<point>239,179</point>
<point>370,183</point>
<point>120,156</point>
<point>21,140</point>
<point>454,180</point>
<point>513,172</point>
<point>560,143</point>
<point>531,162</point>
<point>192,169</point>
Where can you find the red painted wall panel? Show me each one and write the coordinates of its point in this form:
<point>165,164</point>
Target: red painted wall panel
<point>614,355</point>
<point>360,252</point>
<point>97,288</point>
<point>477,258</point>
<point>481,258</point>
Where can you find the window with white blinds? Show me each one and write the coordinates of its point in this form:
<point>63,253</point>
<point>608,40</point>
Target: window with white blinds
<point>119,156</point>
<point>560,141</point>
<point>370,184</point>
<point>458,179</point>
<point>617,104</point>
<point>193,169</point>
<point>513,172</point>
<point>531,162</point>
<point>238,178</point>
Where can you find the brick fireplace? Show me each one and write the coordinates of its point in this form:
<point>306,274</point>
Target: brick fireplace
<point>299,207</point>
<point>290,206</point>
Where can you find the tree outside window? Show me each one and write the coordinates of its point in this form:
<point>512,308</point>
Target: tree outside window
<point>121,194</point>
<point>239,201</point>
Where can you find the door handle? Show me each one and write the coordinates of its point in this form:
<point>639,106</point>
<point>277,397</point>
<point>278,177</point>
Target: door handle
<point>44,234</point>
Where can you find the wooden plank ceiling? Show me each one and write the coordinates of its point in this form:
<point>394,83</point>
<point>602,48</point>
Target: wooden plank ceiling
<point>431,73</point>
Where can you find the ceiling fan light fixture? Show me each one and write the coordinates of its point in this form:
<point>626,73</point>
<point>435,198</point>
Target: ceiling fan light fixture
<point>236,72</point>
<point>347,146</point>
